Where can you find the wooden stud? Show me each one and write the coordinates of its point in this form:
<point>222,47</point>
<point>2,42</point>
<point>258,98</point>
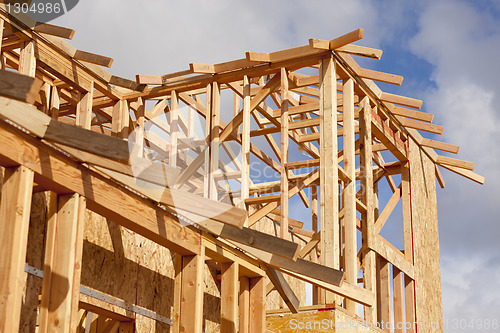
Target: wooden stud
<point>244,305</point>
<point>54,103</point>
<point>176,312</point>
<point>63,265</point>
<point>120,120</point>
<point>284,155</point>
<point>174,128</point>
<point>407,219</point>
<point>245,140</point>
<point>27,60</point>
<point>383,291</point>
<point>410,303</point>
<point>191,314</point>
<point>397,285</point>
<point>229,298</point>
<point>315,229</point>
<point>15,205</point>
<point>368,218</point>
<point>84,110</point>
<point>349,195</point>
<point>330,251</point>
<point>257,309</point>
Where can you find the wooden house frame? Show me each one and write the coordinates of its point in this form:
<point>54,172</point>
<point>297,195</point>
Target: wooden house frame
<point>65,126</point>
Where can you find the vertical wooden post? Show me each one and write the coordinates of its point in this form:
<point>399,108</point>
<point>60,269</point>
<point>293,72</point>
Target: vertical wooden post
<point>314,205</point>
<point>384,292</point>
<point>349,195</point>
<point>245,142</point>
<point>15,205</point>
<point>27,60</point>
<point>410,304</point>
<point>407,223</point>
<point>214,139</point>
<point>368,218</point>
<point>54,103</point>
<point>284,154</point>
<point>84,109</point>
<point>191,314</point>
<point>397,286</point>
<point>229,298</point>
<point>174,128</point>
<point>329,204</point>
<point>62,267</point>
<point>257,322</point>
<point>176,313</point>
<point>120,120</point>
<point>244,305</point>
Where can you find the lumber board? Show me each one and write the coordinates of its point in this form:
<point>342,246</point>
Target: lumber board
<point>350,291</point>
<point>229,298</point>
<point>192,290</point>
<point>368,218</point>
<point>283,288</point>
<point>349,194</point>
<point>62,294</point>
<point>257,306</point>
<point>61,174</point>
<point>387,137</point>
<point>20,87</point>
<point>384,291</point>
<point>54,30</point>
<point>449,161</point>
<point>401,100</point>
<point>419,125</point>
<point>284,154</point>
<point>329,199</point>
<point>447,147</point>
<point>195,207</point>
<point>41,125</point>
<point>465,173</point>
<point>93,58</point>
<point>244,305</point>
<point>126,83</point>
<point>361,51</point>
<point>15,206</point>
<point>300,266</point>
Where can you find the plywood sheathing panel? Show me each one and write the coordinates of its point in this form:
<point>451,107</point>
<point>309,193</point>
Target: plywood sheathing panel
<point>130,267</point>
<point>426,239</point>
<point>34,257</point>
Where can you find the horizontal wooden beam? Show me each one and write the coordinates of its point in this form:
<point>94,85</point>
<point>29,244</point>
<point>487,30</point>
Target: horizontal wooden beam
<point>126,83</point>
<point>43,126</point>
<point>449,161</point>
<point>54,30</point>
<point>447,147</point>
<point>57,172</point>
<point>21,87</point>
<point>300,266</point>
<point>93,58</point>
<point>420,125</point>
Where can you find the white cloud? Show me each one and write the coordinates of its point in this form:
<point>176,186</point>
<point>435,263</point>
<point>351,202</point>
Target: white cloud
<point>462,42</point>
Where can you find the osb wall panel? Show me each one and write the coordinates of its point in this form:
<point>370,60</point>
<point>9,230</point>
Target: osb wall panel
<point>140,272</point>
<point>426,239</point>
<point>119,263</point>
<point>273,300</point>
<point>34,257</point>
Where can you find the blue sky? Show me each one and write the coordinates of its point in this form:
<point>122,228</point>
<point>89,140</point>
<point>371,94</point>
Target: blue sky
<point>447,50</point>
